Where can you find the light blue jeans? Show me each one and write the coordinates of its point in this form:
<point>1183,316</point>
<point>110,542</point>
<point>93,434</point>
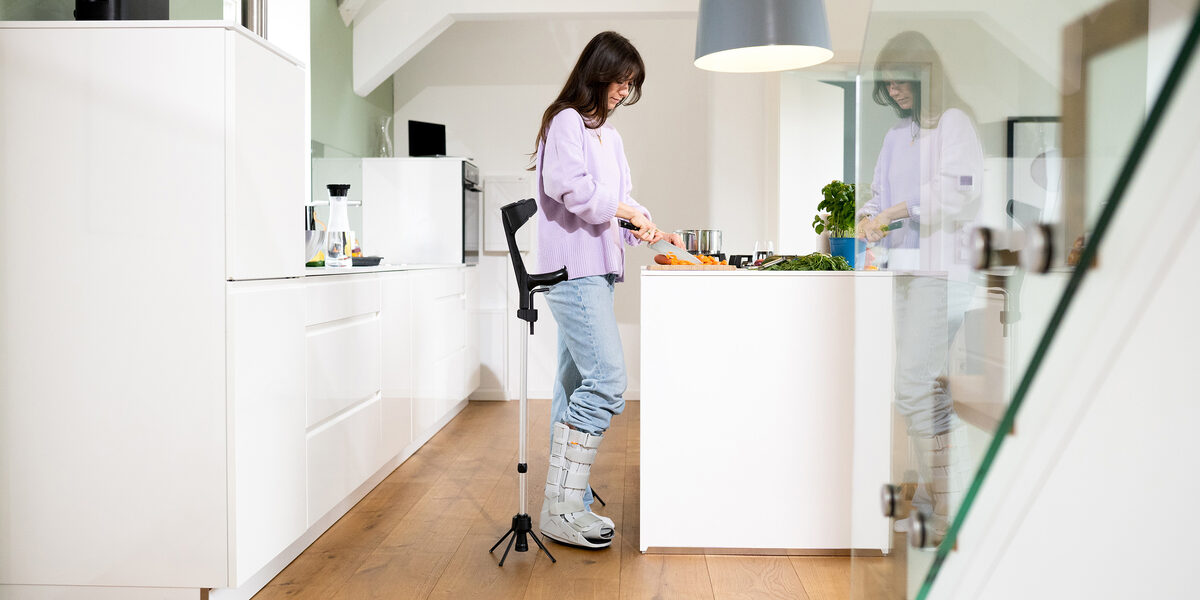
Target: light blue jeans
<point>928,313</point>
<point>590,383</point>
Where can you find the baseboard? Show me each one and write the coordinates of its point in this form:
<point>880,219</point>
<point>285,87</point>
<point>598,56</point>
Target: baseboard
<point>765,551</point>
<point>260,580</point>
<point>495,395</point>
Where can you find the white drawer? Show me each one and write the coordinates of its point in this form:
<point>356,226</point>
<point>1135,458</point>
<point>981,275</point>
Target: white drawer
<point>397,425</point>
<point>442,329</point>
<point>342,455</point>
<point>432,386</point>
<point>343,364</point>
<point>439,283</point>
<point>340,298</point>
<point>452,370</point>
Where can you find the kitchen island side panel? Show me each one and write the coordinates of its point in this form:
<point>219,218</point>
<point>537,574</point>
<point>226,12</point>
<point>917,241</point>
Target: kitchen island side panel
<point>112,306</point>
<point>748,410</point>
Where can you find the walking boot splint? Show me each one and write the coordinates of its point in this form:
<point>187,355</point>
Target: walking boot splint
<point>943,467</point>
<point>564,517</point>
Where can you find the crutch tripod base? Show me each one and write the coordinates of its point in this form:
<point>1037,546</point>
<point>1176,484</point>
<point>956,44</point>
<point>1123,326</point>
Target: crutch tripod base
<point>513,217</point>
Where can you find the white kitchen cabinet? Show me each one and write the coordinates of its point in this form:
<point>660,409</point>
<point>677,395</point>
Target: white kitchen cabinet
<point>471,360</point>
<point>342,454</point>
<point>445,351</point>
<point>154,159</point>
<point>344,365</point>
<point>343,344</point>
<point>344,412</point>
<point>450,370</point>
<point>439,332</point>
<point>266,157</point>
<point>413,209</point>
<point>266,371</point>
<point>113,422</point>
<point>397,352</point>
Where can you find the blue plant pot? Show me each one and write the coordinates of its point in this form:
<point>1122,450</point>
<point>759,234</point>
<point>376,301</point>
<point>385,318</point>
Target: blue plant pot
<point>847,248</point>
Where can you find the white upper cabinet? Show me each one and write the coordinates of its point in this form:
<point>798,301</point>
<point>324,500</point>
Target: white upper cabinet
<point>413,209</point>
<point>266,150</point>
<point>127,137</point>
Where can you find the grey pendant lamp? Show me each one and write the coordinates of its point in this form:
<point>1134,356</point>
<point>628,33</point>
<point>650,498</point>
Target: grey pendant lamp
<point>758,36</point>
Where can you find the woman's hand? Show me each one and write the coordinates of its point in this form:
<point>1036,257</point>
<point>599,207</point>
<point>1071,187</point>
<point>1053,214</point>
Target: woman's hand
<point>674,238</point>
<point>647,231</point>
<point>871,228</point>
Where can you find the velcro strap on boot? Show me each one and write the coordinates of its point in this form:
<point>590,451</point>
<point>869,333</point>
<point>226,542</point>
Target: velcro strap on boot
<point>554,475</point>
<point>579,454</point>
<point>585,440</point>
<point>560,433</point>
<point>584,521</point>
<point>576,479</point>
<point>566,507</point>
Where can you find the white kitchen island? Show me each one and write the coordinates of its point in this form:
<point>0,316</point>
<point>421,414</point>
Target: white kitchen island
<point>765,441</point>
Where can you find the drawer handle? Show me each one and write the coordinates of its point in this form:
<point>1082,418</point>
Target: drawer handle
<point>344,322</point>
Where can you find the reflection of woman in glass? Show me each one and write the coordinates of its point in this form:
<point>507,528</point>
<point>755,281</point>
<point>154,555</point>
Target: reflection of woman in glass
<point>928,178</point>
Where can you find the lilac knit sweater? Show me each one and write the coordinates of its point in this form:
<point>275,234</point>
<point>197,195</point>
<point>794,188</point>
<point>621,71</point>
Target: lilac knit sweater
<point>582,175</point>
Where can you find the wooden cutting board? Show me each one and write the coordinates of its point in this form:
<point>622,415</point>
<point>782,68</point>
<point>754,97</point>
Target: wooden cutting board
<point>657,267</point>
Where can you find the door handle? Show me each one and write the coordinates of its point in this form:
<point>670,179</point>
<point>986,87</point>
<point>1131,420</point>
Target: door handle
<point>920,530</point>
<point>1039,248</point>
<point>979,248</point>
<point>889,499</point>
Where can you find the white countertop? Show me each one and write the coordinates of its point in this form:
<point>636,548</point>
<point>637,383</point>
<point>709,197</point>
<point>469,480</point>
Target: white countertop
<point>749,273</point>
<point>318,271</point>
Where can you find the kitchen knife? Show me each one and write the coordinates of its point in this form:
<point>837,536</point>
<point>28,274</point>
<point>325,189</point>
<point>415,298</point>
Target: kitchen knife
<point>663,246</point>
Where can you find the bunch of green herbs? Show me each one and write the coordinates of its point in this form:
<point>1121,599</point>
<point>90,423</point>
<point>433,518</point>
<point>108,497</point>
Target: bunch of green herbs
<point>838,204</point>
<point>812,262</point>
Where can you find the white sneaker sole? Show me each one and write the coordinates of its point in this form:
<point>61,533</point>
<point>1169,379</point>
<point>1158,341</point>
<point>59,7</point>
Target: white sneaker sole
<point>572,537</point>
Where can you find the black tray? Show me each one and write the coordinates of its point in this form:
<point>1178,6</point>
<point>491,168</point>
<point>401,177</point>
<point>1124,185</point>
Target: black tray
<point>367,261</point>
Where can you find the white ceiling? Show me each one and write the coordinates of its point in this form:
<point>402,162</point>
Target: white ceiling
<point>388,33</point>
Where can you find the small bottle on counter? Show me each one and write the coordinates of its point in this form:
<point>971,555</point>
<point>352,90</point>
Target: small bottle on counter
<point>339,239</point>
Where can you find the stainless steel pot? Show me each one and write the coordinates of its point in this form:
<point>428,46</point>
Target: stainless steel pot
<point>703,241</point>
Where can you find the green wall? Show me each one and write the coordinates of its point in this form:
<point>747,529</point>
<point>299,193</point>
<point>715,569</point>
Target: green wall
<point>61,10</point>
<point>341,119</point>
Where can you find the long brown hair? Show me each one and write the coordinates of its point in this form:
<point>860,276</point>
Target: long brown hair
<point>608,58</point>
<point>910,57</point>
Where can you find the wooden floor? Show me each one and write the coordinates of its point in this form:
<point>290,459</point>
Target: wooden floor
<point>425,531</point>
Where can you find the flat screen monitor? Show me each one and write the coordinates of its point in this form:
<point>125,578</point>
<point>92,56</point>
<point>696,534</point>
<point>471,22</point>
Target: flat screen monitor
<point>426,139</point>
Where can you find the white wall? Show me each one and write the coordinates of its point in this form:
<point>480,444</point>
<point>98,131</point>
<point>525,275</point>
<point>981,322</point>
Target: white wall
<point>811,123</point>
<point>697,143</point>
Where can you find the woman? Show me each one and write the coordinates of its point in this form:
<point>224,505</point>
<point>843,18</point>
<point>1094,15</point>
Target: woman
<point>583,189</point>
<point>928,177</point>
<point>931,161</point>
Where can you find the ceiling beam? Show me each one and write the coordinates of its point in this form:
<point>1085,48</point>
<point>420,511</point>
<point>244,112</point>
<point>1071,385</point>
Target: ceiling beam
<point>390,32</point>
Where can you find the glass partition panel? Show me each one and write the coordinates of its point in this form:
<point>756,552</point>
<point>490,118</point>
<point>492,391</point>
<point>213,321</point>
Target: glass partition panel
<point>990,137</point>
